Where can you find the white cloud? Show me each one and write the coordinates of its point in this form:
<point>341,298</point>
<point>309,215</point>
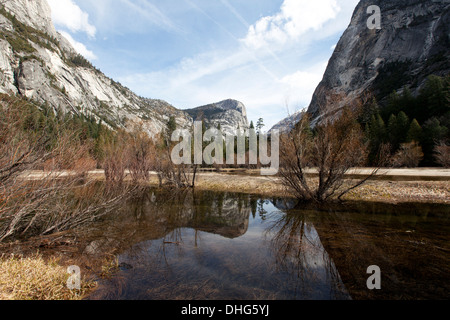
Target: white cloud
<point>296,17</point>
<point>299,86</point>
<point>305,81</point>
<point>216,76</point>
<point>272,65</point>
<point>79,47</point>
<point>66,13</point>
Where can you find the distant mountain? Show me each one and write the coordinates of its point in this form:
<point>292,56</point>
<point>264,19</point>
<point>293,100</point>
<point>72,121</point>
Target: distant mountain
<point>288,123</point>
<point>40,64</point>
<point>412,44</point>
<point>230,114</point>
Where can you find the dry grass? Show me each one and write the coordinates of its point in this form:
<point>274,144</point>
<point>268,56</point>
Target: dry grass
<point>33,278</point>
<point>374,190</point>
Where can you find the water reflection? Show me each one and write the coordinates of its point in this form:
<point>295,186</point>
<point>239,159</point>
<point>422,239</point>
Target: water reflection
<point>299,253</point>
<point>232,246</point>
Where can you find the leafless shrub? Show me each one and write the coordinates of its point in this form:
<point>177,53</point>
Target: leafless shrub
<point>115,160</point>
<point>36,202</point>
<point>442,154</point>
<point>169,174</point>
<point>177,176</point>
<point>141,154</point>
<point>409,155</point>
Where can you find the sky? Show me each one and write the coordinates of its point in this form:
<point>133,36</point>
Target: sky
<point>268,54</point>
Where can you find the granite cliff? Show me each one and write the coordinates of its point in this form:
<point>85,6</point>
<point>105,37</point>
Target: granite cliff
<point>412,44</point>
<point>39,64</point>
<point>230,114</point>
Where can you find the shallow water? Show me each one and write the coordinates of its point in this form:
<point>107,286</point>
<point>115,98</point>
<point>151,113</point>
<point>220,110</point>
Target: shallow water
<point>225,246</point>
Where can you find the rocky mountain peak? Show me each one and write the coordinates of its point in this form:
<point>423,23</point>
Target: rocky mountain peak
<point>412,44</point>
<point>35,13</point>
<point>40,65</point>
<point>230,114</point>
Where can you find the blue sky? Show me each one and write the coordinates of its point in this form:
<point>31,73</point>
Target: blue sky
<point>268,54</point>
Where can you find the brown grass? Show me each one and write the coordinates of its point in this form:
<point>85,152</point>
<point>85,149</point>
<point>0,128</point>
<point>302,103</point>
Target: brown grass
<point>374,190</point>
<point>33,278</point>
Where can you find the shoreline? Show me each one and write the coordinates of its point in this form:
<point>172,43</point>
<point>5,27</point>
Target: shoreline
<point>375,190</point>
<point>422,185</point>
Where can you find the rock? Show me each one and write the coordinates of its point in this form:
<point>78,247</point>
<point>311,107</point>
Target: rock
<point>230,114</point>
<point>50,72</point>
<point>412,44</point>
<point>51,75</point>
<point>7,66</point>
<point>94,248</point>
<point>287,124</point>
<point>413,41</point>
<point>35,13</point>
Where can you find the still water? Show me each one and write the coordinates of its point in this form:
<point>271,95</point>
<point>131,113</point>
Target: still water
<point>210,245</point>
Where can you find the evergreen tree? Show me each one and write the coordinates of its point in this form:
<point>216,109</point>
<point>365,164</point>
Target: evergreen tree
<point>393,132</point>
<point>435,96</point>
<point>414,132</point>
<point>403,124</point>
<point>369,109</point>
<point>259,125</point>
<point>376,133</point>
<point>433,132</point>
<point>171,125</point>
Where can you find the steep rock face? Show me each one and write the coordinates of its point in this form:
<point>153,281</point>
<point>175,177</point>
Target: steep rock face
<point>38,63</point>
<point>35,13</point>
<point>412,44</point>
<point>287,124</point>
<point>230,114</point>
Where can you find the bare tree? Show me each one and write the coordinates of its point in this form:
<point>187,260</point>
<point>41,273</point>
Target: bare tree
<point>115,159</point>
<point>141,154</point>
<point>442,154</point>
<point>314,162</point>
<point>40,202</point>
<point>178,176</point>
<point>409,155</point>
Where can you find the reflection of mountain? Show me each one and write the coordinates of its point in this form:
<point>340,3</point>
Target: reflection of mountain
<point>277,256</point>
<point>155,216</point>
<point>402,240</point>
<point>227,217</point>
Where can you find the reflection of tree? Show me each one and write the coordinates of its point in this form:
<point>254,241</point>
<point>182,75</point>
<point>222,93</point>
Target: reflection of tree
<point>299,253</point>
<point>262,212</point>
<point>254,206</point>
